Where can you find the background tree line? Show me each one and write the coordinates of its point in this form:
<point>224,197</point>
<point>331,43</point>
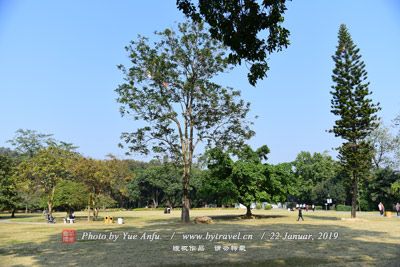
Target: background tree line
<point>39,174</point>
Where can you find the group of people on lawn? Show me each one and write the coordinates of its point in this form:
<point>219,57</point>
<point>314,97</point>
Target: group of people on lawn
<point>381,208</point>
<point>71,216</point>
<point>68,219</point>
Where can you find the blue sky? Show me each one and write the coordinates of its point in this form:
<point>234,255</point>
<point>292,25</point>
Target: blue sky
<point>58,69</point>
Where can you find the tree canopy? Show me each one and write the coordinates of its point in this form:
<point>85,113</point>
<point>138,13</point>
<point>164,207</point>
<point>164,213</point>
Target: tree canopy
<point>247,180</point>
<point>318,177</point>
<point>28,142</point>
<point>241,25</point>
<point>70,195</point>
<point>45,169</point>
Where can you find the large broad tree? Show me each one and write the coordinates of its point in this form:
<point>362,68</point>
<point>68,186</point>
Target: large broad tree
<point>70,195</point>
<point>106,182</point>
<point>356,112</point>
<point>216,185</point>
<point>280,182</point>
<point>45,170</point>
<point>169,86</point>
<point>318,178</point>
<point>251,29</point>
<point>120,177</point>
<point>248,179</point>
<point>95,175</point>
<point>27,142</point>
<point>248,175</point>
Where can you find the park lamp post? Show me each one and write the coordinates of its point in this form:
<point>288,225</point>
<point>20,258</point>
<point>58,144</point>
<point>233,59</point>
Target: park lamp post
<point>328,202</point>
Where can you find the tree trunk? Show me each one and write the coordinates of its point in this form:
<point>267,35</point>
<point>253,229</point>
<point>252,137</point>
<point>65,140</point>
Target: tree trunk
<point>13,213</point>
<point>88,218</point>
<point>96,213</point>
<point>95,209</point>
<point>185,196</point>
<point>155,199</point>
<point>354,197</point>
<point>50,200</point>
<point>248,212</point>
<point>50,206</point>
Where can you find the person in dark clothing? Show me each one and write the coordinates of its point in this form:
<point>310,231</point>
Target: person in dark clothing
<point>50,218</point>
<point>300,215</point>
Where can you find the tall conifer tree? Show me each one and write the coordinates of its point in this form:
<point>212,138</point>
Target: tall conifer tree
<point>351,102</point>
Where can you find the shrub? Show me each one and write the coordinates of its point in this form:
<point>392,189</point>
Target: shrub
<point>268,207</point>
<point>258,206</point>
<point>343,208</point>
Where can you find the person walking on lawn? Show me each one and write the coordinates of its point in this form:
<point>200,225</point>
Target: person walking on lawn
<point>300,214</point>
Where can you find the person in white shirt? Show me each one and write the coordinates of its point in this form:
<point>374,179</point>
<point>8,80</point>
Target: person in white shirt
<point>381,208</point>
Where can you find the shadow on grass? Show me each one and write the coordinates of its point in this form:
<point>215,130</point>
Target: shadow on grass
<point>7,216</point>
<point>325,218</point>
<point>243,217</point>
<point>351,248</point>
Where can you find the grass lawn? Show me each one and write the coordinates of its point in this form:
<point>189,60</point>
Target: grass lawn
<point>370,240</point>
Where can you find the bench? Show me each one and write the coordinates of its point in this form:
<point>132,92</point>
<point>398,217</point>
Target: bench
<point>69,220</point>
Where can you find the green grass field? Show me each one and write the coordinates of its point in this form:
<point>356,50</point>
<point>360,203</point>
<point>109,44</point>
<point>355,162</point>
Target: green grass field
<point>334,240</point>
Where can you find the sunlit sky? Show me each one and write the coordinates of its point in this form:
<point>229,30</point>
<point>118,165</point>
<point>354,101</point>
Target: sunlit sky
<point>58,70</point>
